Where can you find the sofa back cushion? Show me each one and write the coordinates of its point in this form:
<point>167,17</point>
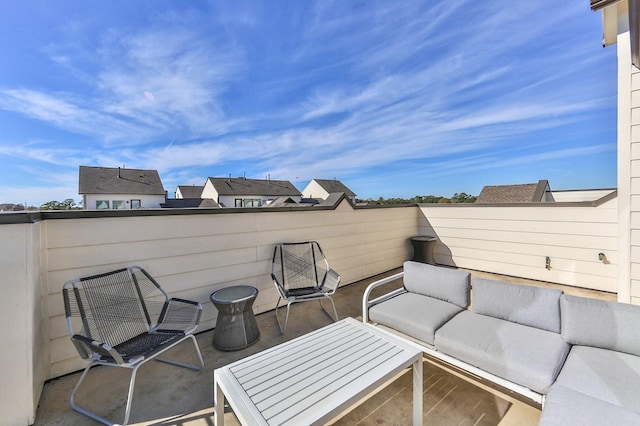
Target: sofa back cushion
<point>523,304</point>
<point>601,324</point>
<point>450,285</point>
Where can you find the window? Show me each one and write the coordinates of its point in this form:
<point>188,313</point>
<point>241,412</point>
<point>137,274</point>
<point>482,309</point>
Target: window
<point>118,204</point>
<point>102,204</point>
<point>238,202</point>
<point>136,204</point>
<point>252,202</point>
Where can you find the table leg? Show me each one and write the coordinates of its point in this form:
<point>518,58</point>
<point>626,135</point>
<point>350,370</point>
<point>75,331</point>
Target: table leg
<point>417,392</point>
<point>218,403</point>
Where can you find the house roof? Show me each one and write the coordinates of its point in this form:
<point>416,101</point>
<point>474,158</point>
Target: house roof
<point>524,193</point>
<point>599,4</point>
<point>242,186</point>
<point>611,22</point>
<point>190,191</point>
<point>333,185</point>
<point>109,180</point>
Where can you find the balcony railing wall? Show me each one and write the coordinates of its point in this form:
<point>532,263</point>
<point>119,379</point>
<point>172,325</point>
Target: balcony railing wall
<point>516,240</point>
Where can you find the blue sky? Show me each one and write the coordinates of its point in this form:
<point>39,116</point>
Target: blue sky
<point>395,99</point>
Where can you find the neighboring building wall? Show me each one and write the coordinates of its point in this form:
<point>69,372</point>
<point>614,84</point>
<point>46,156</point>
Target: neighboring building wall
<point>250,200</point>
<point>515,240</point>
<point>314,190</point>
<point>146,201</point>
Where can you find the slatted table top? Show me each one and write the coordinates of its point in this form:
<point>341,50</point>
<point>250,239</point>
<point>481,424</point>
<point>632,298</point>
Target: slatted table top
<point>312,379</point>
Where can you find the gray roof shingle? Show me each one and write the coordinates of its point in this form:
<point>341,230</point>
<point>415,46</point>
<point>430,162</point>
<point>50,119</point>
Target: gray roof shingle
<point>524,193</point>
<point>242,186</point>
<point>191,191</point>
<point>109,180</point>
<point>333,185</point>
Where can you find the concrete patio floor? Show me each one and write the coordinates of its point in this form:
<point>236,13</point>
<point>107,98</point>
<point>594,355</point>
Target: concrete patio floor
<point>168,395</point>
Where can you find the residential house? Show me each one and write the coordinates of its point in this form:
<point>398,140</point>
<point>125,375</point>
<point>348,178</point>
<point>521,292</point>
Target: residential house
<point>189,191</point>
<point>104,188</point>
<point>321,188</point>
<point>243,192</point>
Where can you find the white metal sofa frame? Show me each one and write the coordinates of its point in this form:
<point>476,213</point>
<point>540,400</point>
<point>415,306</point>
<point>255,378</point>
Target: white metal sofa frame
<point>450,361</point>
<point>124,323</point>
<point>301,273</point>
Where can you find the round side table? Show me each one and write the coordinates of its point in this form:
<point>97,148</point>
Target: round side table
<point>423,248</point>
<point>236,326</point>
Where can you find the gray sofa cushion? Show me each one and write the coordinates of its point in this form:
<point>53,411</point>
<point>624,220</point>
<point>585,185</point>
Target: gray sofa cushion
<point>525,355</point>
<point>603,374</point>
<point>450,285</point>
<point>564,406</point>
<point>523,304</point>
<point>414,314</point>
<point>602,324</point>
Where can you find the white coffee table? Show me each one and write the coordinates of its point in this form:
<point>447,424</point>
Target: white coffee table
<point>316,377</point>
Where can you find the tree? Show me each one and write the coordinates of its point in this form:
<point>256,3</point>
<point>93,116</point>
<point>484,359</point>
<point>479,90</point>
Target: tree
<point>67,204</point>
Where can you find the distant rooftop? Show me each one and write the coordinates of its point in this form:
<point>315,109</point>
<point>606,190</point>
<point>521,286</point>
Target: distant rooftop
<point>191,191</point>
<point>242,186</point>
<point>333,185</point>
<point>109,180</point>
<point>523,193</point>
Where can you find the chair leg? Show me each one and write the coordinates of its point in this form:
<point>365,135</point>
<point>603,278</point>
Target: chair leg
<point>185,365</point>
<point>132,381</point>
<point>286,319</point>
<point>335,313</point>
<point>95,416</point>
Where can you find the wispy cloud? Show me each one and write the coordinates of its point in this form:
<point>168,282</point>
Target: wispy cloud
<point>317,89</point>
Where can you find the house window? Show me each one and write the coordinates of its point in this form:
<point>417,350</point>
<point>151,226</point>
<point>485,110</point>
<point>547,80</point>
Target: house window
<point>118,204</point>
<point>238,202</point>
<point>252,202</point>
<point>136,204</point>
<point>102,204</point>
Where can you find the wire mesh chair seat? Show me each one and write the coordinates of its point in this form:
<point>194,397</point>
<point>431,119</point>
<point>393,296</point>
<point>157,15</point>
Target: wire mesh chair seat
<point>123,319</point>
<point>301,272</point>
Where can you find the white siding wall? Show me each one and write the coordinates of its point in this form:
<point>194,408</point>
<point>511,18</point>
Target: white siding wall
<point>146,201</point>
<point>314,190</point>
<point>24,357</point>
<point>515,240</point>
<point>193,255</point>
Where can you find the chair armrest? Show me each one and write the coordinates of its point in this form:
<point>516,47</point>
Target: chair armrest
<point>366,303</point>
<point>180,314</point>
<point>87,347</point>
<point>331,281</point>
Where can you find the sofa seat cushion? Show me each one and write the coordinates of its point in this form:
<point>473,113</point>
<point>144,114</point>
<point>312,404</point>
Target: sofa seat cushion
<point>564,406</point>
<point>528,356</point>
<point>603,374</point>
<point>414,314</point>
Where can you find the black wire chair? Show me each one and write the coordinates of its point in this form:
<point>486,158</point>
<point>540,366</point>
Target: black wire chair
<point>301,273</point>
<point>124,319</point>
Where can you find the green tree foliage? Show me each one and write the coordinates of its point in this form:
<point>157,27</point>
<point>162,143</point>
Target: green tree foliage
<point>461,197</point>
<point>67,204</point>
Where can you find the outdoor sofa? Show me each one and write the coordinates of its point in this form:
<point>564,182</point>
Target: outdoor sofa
<point>577,358</point>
